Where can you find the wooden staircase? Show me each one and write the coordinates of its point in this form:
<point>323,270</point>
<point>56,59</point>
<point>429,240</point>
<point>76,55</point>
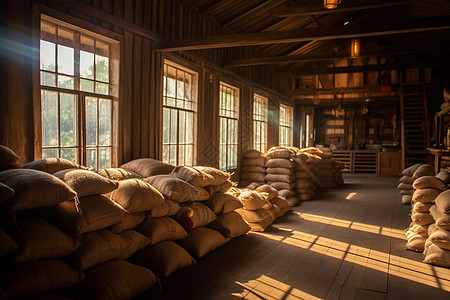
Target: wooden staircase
<point>415,126</point>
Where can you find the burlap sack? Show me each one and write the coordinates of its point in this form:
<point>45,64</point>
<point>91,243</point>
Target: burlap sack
<point>148,167</point>
<point>40,276</point>
<point>280,178</point>
<point>6,193</point>
<point>195,215</point>
<point>311,150</point>
<point>134,241</point>
<point>280,163</point>
<point>442,219</point>
<point>161,229</point>
<point>441,238</point>
<point>422,218</point>
<point>38,239</point>
<point>52,165</point>
<point>128,221</point>
<point>304,197</point>
<point>259,177</point>
<point>96,248</point>
<point>222,203</point>
<point>163,258</point>
<point>86,183</point>
<point>53,296</point>
<point>421,207</point>
<point>254,216</point>
<point>406,199</point>
<point>7,156</point>
<point>425,195</point>
<point>281,202</point>
<point>407,179</point>
<point>303,174</point>
<point>202,240</point>
<point>405,186</point>
<point>118,174</point>
<point>281,185</point>
<point>416,243</point>
<point>277,152</point>
<point>174,207</point>
<point>8,245</point>
<point>429,182</point>
<point>177,189</point>
<point>410,171</point>
<point>274,211</point>
<point>302,183</point>
<point>407,192</point>
<point>252,153</point>
<point>432,228</point>
<point>253,169</point>
<point>286,193</point>
<point>265,188</point>
<point>424,170</point>
<point>135,195</point>
<point>95,212</point>
<point>221,188</point>
<point>219,176</point>
<point>34,189</point>
<point>252,200</point>
<point>293,201</point>
<point>231,225</point>
<point>442,201</point>
<point>116,279</point>
<point>444,176</point>
<point>419,229</point>
<point>261,226</point>
<point>258,162</point>
<point>196,177</point>
<point>286,171</point>
<point>437,256</point>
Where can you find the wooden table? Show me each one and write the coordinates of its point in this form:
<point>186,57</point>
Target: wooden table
<point>438,153</point>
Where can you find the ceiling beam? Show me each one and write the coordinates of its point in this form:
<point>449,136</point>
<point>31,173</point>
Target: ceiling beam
<point>394,51</point>
<point>324,33</point>
<point>299,10</point>
<point>333,91</point>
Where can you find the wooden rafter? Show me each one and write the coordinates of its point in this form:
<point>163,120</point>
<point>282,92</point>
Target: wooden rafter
<point>249,39</point>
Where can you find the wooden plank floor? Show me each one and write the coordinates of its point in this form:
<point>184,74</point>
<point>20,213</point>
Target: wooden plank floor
<point>347,243</point>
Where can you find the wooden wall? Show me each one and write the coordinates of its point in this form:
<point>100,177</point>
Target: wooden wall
<point>138,24</point>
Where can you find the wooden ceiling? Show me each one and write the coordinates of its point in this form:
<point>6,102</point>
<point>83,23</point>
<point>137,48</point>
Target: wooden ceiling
<point>302,38</point>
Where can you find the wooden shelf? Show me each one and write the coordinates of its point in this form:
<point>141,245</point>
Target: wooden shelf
<point>357,160</point>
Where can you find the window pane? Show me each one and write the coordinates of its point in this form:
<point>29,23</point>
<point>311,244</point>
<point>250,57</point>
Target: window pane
<point>68,153</point>
<point>91,158</point>
<point>166,125</point>
<point>102,88</point>
<point>86,85</point>
<point>173,127</point>
<point>49,106</point>
<point>65,60</point>
<point>65,82</point>
<point>171,83</point>
<point>48,79</point>
<point>49,153</point>
<point>166,153</point>
<point>173,155</point>
<point>189,128</point>
<point>105,122</point>
<point>48,56</point>
<point>189,159</point>
<point>104,160</point>
<point>181,155</point>
<point>67,119</point>
<point>86,65</point>
<point>182,128</point>
<point>91,121</point>
<point>101,68</point>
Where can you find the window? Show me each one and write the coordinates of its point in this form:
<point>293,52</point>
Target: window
<point>260,104</point>
<point>229,116</point>
<point>307,130</point>
<point>77,82</point>
<point>286,125</point>
<point>179,108</point>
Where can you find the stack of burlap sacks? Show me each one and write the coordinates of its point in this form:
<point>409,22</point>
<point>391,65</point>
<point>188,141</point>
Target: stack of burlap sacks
<point>253,168</point>
<point>260,207</point>
<point>104,235</point>
<point>329,170</point>
<point>280,172</point>
<point>410,174</point>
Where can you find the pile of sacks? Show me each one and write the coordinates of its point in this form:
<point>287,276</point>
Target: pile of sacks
<point>410,174</point>
<point>437,246</point>
<point>253,168</point>
<point>426,190</point>
<point>68,232</point>
<point>306,172</point>
<point>280,172</point>
<point>329,170</point>
<point>260,207</point>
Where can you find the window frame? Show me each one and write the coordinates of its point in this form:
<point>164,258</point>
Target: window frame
<point>286,125</point>
<point>80,155</point>
<point>260,120</point>
<point>193,110</point>
<point>230,117</point>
